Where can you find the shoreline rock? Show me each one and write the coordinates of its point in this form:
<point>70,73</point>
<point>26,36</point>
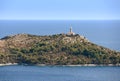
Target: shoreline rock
<point>8,64</point>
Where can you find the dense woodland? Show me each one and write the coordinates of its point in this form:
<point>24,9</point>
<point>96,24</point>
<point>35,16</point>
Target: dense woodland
<point>59,49</point>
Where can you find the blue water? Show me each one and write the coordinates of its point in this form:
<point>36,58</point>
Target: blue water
<point>102,32</point>
<point>59,73</point>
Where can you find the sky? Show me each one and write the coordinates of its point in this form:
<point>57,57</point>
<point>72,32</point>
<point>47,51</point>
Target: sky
<point>59,9</point>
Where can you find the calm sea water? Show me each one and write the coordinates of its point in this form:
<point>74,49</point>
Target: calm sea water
<point>102,32</point>
<point>59,73</point>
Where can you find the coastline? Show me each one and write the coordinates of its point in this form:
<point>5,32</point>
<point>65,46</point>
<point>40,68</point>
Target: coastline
<point>79,65</point>
<point>9,64</point>
<point>94,65</point>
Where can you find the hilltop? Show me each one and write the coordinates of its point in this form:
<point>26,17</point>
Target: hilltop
<point>59,49</point>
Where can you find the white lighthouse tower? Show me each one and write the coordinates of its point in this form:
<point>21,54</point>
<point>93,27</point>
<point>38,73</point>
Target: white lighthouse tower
<point>71,32</point>
<point>71,29</point>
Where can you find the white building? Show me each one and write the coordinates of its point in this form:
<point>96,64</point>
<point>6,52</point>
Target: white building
<point>70,32</point>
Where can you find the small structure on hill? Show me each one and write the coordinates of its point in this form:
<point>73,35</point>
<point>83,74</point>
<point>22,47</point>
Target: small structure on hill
<point>71,32</point>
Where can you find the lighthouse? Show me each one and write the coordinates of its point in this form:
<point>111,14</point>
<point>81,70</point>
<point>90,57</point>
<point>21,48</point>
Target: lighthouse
<point>71,32</point>
<point>71,29</point>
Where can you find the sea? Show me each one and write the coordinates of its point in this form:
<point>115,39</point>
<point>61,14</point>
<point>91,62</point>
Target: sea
<point>59,73</point>
<point>102,32</point>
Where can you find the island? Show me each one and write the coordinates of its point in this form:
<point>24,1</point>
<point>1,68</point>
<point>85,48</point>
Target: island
<point>58,49</point>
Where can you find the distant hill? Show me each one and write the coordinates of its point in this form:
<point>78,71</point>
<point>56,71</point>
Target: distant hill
<point>59,49</point>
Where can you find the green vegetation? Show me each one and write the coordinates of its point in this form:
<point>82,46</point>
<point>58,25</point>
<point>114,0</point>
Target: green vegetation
<point>57,49</point>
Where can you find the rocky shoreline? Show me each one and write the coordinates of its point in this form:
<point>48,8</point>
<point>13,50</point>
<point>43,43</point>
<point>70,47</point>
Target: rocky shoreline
<point>8,64</point>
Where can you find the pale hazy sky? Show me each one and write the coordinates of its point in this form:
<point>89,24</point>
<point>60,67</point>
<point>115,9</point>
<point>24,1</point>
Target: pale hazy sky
<point>59,9</point>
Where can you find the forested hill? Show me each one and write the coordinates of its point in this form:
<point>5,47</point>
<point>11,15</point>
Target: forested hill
<point>59,49</point>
